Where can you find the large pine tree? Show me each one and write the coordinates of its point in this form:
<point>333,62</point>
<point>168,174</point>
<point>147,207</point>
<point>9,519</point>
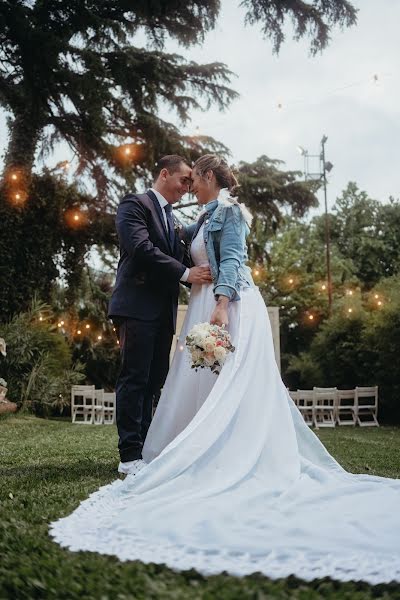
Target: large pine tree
<point>75,72</point>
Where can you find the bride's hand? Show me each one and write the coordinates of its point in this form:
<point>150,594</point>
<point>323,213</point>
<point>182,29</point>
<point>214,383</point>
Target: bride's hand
<point>220,312</point>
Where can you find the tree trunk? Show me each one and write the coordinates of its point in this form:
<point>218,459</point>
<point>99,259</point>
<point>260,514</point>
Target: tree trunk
<point>23,141</point>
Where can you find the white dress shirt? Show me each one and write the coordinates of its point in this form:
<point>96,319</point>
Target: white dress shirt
<point>163,202</point>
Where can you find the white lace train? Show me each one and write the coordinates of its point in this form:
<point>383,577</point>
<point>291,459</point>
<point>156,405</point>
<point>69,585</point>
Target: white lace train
<point>241,484</point>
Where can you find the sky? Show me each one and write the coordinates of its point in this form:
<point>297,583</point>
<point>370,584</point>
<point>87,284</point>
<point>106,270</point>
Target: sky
<point>332,94</point>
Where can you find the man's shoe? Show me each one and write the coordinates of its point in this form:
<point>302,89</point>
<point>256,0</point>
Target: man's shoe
<point>131,467</point>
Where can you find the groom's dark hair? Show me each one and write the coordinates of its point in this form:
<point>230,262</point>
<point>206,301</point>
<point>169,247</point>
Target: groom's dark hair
<point>171,162</point>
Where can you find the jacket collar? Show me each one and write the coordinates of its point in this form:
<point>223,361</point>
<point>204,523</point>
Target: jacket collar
<point>211,206</point>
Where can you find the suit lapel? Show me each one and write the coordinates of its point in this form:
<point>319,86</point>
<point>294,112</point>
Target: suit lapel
<point>160,215</point>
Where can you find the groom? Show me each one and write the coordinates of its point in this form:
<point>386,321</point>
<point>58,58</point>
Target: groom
<point>144,302</point>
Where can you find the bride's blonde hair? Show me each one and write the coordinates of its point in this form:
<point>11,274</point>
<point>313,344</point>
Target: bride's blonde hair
<point>222,171</point>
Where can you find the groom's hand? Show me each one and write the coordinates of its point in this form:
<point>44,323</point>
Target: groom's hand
<point>199,275</point>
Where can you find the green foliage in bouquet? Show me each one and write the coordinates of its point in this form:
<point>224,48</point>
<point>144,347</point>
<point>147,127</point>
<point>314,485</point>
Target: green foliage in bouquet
<point>38,367</point>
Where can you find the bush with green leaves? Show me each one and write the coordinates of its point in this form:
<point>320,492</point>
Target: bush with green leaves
<point>360,347</point>
<point>38,366</point>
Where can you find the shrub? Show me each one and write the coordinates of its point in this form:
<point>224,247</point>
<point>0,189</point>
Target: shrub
<point>38,367</point>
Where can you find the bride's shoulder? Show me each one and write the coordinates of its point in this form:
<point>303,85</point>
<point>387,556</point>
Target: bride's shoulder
<point>228,203</point>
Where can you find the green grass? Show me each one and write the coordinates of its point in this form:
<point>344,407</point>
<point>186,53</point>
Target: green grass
<point>47,467</point>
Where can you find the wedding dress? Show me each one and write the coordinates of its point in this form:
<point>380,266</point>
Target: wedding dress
<point>236,480</point>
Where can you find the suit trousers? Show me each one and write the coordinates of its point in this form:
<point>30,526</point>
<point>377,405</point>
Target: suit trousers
<point>145,347</point>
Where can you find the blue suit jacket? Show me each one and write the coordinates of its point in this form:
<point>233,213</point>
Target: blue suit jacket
<point>149,269</point>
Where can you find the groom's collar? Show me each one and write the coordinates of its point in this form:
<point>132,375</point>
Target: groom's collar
<point>161,200</point>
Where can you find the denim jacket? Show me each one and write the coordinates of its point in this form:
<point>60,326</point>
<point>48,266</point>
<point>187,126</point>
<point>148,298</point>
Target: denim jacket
<point>225,231</point>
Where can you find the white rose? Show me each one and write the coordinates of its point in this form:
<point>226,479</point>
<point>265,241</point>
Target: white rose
<point>220,353</point>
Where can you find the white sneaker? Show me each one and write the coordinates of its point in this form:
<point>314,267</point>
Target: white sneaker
<point>131,467</point>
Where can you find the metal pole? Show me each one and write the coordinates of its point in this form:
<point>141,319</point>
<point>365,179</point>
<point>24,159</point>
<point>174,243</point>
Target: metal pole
<point>327,230</point>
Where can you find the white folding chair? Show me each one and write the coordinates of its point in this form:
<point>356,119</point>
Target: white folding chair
<point>346,409</point>
<point>367,406</point>
<point>294,396</point>
<point>305,401</point>
<point>324,406</point>
<point>98,408</point>
<point>82,403</point>
<point>109,408</point>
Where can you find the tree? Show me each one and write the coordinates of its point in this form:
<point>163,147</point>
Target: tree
<point>367,232</point>
<point>357,348</point>
<point>72,71</point>
<point>294,279</point>
<point>270,193</point>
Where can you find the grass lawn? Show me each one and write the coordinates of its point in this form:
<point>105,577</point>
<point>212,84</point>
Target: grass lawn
<point>47,467</point>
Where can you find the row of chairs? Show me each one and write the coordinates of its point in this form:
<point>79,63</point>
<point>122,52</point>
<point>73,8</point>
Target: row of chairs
<point>328,407</point>
<point>91,406</point>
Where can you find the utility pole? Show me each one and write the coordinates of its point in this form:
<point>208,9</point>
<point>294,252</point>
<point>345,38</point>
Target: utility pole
<point>324,167</point>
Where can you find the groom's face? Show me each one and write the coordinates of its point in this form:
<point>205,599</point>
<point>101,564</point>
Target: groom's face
<point>177,184</point>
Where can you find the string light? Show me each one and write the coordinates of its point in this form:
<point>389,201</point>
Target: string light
<point>256,272</point>
<point>59,325</point>
<point>311,317</point>
<point>99,337</point>
<point>40,318</point>
<point>87,326</point>
<point>291,280</point>
<point>79,332</point>
<point>76,217</point>
<point>350,310</point>
<point>376,296</point>
<point>323,287</point>
<point>14,176</point>
<point>379,303</point>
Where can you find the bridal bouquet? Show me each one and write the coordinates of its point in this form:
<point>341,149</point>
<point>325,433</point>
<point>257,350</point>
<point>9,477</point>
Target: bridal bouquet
<point>208,346</point>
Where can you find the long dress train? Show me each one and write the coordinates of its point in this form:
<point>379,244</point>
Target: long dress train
<point>236,480</point>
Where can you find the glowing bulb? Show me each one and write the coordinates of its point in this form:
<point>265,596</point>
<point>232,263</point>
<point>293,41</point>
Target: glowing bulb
<point>118,342</point>
<point>290,281</point>
<point>87,326</point>
<point>18,196</point>
<point>59,325</point>
<point>376,296</point>
<point>14,177</point>
<point>79,332</point>
<point>40,318</point>
<point>350,310</point>
<point>311,317</point>
<point>256,272</point>
<point>323,287</point>
<point>99,337</point>
<point>127,151</point>
<point>380,303</point>
<point>113,328</point>
<point>76,217</point>
<point>62,322</point>
<point>350,292</point>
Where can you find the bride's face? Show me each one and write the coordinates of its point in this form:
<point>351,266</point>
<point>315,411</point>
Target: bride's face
<point>204,187</point>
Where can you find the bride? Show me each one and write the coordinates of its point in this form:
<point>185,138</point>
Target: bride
<point>235,480</point>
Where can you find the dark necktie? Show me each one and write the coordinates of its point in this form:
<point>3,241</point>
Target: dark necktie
<point>170,221</point>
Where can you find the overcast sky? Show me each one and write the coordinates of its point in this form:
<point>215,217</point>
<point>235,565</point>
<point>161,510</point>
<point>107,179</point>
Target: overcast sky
<point>332,93</point>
